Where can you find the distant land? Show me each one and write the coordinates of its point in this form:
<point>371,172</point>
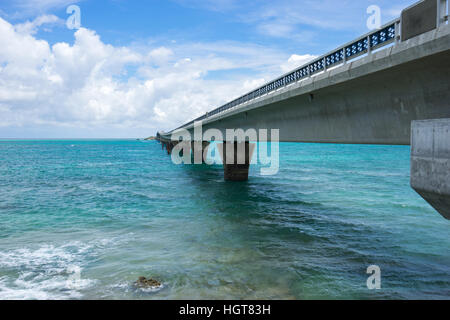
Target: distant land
<point>150,138</point>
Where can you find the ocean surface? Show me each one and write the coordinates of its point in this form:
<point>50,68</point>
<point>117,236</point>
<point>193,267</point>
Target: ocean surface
<point>85,219</point>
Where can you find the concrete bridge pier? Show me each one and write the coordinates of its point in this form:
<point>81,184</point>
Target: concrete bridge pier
<point>430,162</point>
<point>169,148</point>
<point>236,158</point>
<point>170,145</point>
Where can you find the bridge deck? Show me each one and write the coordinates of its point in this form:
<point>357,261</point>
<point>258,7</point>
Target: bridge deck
<point>370,100</point>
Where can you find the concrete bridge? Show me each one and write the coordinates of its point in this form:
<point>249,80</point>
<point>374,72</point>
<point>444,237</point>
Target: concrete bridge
<point>372,90</point>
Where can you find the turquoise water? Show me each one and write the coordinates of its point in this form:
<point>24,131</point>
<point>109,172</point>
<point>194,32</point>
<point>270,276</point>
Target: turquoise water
<point>117,210</point>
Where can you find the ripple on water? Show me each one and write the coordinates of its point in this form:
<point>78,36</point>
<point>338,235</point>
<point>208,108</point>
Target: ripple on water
<point>117,210</point>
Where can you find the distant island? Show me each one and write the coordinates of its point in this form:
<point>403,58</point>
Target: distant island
<point>150,138</point>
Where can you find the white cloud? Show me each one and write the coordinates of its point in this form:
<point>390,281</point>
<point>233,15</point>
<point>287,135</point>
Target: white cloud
<point>160,55</point>
<point>90,84</point>
<point>32,27</point>
<point>296,61</point>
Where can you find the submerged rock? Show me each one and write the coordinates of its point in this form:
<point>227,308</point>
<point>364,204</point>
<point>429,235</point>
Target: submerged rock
<point>143,282</point>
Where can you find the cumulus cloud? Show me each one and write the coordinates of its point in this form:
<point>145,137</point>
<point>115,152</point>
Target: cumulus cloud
<point>91,84</point>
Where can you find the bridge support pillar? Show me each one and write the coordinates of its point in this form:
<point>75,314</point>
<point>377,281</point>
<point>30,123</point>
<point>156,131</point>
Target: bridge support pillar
<point>170,145</point>
<point>430,162</point>
<point>236,159</point>
<point>199,151</point>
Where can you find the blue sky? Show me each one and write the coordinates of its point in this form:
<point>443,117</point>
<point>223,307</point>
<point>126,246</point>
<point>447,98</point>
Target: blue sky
<point>139,66</point>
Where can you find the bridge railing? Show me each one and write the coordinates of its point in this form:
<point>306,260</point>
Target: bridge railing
<point>385,35</point>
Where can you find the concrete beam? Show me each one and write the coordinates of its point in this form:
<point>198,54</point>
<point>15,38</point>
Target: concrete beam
<point>430,162</point>
<point>371,100</point>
